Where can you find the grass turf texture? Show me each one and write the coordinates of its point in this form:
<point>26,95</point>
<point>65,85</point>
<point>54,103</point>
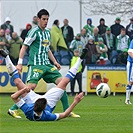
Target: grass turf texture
<point>98,115</point>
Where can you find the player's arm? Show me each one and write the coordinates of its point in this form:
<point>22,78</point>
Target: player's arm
<point>21,56</point>
<point>52,58</point>
<point>77,99</point>
<point>31,36</point>
<point>22,52</point>
<point>16,96</point>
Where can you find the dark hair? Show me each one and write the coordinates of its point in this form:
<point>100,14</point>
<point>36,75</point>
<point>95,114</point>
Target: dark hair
<point>56,22</point>
<point>123,29</point>
<point>42,12</point>
<point>40,105</point>
<point>102,19</point>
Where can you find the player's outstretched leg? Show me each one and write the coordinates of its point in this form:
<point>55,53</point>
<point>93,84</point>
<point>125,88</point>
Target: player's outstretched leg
<point>14,73</point>
<point>72,71</point>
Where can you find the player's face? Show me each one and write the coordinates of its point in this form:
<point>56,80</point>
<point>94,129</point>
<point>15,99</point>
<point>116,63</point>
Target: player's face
<point>43,21</point>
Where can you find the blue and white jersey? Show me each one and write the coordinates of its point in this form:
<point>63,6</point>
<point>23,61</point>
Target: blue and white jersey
<point>46,115</point>
<point>130,50</point>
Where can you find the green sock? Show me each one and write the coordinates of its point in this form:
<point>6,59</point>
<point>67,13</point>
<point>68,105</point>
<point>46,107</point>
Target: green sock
<point>64,101</point>
<point>14,107</point>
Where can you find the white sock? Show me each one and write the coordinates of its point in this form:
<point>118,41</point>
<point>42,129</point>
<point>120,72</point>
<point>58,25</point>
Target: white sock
<point>128,92</point>
<point>73,70</point>
<point>10,67</point>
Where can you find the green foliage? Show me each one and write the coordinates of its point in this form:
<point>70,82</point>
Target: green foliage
<point>98,115</point>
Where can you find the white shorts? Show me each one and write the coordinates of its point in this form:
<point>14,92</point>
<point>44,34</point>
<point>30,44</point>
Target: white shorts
<point>52,96</point>
<point>130,71</point>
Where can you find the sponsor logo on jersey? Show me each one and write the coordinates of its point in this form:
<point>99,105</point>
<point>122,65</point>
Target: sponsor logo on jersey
<point>45,42</point>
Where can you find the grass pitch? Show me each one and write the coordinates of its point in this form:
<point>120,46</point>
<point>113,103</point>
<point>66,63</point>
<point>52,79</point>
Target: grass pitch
<point>98,115</point>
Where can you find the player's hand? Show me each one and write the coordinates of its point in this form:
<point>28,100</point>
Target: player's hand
<point>19,68</point>
<point>78,97</point>
<point>57,65</point>
<point>26,89</point>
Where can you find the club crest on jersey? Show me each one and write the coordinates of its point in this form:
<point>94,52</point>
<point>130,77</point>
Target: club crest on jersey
<point>45,42</point>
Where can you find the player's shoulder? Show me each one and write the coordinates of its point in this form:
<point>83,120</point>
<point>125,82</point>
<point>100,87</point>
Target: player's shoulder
<point>33,30</point>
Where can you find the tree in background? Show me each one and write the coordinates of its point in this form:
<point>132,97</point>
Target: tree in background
<point>123,8</point>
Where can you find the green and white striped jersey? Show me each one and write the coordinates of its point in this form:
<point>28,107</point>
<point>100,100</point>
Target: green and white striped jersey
<point>38,42</point>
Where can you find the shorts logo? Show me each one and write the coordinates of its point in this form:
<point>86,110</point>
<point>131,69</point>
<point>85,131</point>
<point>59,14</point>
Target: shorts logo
<point>54,68</point>
<point>37,70</point>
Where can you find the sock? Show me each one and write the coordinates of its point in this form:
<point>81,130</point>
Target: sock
<point>73,70</point>
<point>64,101</point>
<point>10,67</point>
<point>128,91</point>
<point>14,107</point>
<point>15,75</point>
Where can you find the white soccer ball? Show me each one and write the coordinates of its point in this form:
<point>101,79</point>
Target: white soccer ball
<point>103,90</point>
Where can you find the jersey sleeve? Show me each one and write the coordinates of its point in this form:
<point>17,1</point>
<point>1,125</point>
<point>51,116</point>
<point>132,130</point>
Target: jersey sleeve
<point>25,108</point>
<point>57,116</point>
<point>31,36</point>
<point>47,116</point>
<point>53,117</point>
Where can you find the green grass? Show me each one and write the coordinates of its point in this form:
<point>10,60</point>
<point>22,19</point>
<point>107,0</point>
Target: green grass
<point>98,115</point>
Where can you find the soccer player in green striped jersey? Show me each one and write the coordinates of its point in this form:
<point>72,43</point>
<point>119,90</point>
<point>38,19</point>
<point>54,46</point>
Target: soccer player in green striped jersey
<point>39,66</point>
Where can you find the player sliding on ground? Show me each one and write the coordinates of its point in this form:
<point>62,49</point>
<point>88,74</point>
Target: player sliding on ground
<point>39,107</point>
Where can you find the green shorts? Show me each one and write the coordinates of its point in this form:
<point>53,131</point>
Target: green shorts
<point>49,73</point>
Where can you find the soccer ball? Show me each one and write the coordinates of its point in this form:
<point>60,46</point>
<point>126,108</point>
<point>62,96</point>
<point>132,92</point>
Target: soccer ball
<point>103,90</point>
